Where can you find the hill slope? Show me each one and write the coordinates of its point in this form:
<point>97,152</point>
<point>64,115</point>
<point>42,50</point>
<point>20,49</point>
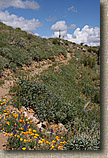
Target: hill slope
<point>58,79</point>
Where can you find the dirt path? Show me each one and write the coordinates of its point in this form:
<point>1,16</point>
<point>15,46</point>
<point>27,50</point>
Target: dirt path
<point>35,68</point>
<point>3,141</point>
<point>3,92</point>
<point>36,71</point>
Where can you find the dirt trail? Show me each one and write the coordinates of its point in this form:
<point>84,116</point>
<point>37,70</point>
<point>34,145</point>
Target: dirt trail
<point>37,71</point>
<point>43,65</point>
<point>3,141</point>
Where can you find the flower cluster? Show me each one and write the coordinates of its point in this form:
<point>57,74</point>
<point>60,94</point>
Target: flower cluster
<point>20,133</point>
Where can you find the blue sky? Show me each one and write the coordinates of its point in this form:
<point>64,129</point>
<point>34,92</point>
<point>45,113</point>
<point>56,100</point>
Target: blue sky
<point>77,17</point>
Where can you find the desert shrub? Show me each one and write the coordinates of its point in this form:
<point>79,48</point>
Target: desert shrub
<point>46,104</point>
<point>56,41</point>
<point>83,144</point>
<point>87,60</point>
<point>2,82</point>
<point>13,66</point>
<point>6,52</point>
<point>3,63</point>
<point>96,97</point>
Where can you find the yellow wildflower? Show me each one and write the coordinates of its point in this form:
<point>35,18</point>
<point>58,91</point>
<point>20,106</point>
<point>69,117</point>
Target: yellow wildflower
<point>29,140</point>
<point>5,134</point>
<point>52,147</point>
<point>21,111</point>
<point>60,147</point>
<point>30,130</point>
<point>20,120</point>
<point>34,131</point>
<point>64,142</point>
<point>11,134</point>
<point>8,123</point>
<point>23,148</point>
<point>47,142</point>
<point>35,137</point>
<point>43,140</point>
<point>4,118</point>
<point>23,121</point>
<point>21,128</point>
<point>40,142</point>
<point>6,114</point>
<point>61,143</point>
<point>57,137</point>
<point>32,134</point>
<point>21,139</point>
<point>18,136</point>
<point>53,141</point>
<point>16,115</point>
<point>25,140</point>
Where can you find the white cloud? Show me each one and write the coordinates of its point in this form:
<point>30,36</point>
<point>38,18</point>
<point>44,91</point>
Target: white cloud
<point>60,25</point>
<point>56,34</point>
<point>36,34</point>
<point>19,4</point>
<point>72,8</point>
<point>88,35</point>
<point>15,21</point>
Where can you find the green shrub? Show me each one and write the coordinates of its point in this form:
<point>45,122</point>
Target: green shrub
<point>87,60</point>
<point>83,144</point>
<point>46,104</point>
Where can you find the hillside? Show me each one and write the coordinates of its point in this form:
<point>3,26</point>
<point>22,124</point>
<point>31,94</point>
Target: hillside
<point>59,81</point>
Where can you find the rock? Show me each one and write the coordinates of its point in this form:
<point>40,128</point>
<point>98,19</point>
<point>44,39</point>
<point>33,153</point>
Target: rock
<point>84,50</point>
<point>49,61</point>
<point>23,108</point>
<point>56,68</point>
<point>45,124</point>
<point>35,120</point>
<point>39,125</point>
<point>61,56</point>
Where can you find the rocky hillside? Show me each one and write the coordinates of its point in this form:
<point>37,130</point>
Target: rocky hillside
<point>55,80</point>
<point>18,48</point>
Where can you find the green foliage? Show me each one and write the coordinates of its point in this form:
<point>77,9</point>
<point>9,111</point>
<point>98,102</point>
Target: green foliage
<point>1,82</point>
<point>83,144</point>
<point>56,41</point>
<point>46,104</point>
<point>88,61</point>
<point>19,47</point>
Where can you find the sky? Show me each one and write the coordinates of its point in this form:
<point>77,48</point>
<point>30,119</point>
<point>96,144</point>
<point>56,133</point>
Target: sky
<point>77,20</point>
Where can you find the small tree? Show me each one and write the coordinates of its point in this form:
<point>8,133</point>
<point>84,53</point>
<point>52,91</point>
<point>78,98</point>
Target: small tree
<point>81,44</point>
